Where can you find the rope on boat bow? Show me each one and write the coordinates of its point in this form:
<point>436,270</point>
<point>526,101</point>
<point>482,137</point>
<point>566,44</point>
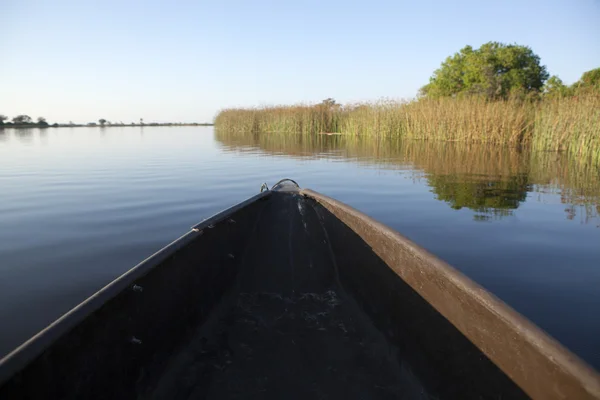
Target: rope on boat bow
<point>264,186</point>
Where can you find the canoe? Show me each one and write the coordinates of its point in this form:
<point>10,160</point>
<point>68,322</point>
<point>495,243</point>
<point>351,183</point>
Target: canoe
<point>292,294</point>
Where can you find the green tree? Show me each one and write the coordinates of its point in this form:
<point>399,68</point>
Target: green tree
<point>22,119</point>
<point>42,121</point>
<point>495,70</point>
<point>590,80</point>
<point>329,102</point>
<point>102,121</point>
<point>554,87</point>
<point>2,119</point>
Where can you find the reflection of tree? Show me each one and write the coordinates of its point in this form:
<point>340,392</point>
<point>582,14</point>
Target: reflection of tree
<point>24,135</point>
<point>488,196</point>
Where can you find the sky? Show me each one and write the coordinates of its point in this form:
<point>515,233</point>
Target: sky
<point>185,60</point>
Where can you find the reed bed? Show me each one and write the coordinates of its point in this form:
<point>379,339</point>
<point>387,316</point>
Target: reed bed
<point>468,120</point>
<point>303,119</point>
<point>569,124</point>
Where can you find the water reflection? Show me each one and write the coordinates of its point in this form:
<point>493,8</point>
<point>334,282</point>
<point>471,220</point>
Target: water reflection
<point>43,136</point>
<point>24,135</point>
<point>493,181</point>
<point>490,196</point>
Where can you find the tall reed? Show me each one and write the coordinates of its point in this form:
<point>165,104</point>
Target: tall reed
<point>570,123</point>
<point>560,124</point>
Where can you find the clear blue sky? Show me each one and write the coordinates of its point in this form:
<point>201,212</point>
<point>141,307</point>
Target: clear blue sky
<point>184,60</point>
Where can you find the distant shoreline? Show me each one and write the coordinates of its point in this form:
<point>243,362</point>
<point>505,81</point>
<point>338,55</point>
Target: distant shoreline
<point>41,126</point>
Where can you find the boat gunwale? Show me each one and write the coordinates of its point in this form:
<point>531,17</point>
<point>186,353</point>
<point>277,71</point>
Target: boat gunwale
<point>27,352</point>
<point>567,365</point>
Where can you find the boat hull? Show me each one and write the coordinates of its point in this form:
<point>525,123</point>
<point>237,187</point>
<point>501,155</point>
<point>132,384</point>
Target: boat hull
<point>291,294</point>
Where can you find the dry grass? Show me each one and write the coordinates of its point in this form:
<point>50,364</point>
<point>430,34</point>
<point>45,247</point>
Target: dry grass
<point>571,124</point>
<point>286,119</point>
<point>468,120</point>
<point>562,124</point>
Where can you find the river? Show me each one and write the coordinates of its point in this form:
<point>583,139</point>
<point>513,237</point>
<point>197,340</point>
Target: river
<point>80,206</point>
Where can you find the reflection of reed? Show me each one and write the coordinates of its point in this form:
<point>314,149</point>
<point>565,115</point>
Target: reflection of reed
<point>486,178</point>
<point>577,183</point>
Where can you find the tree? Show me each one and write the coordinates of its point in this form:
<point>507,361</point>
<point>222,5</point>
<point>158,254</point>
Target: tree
<point>329,102</point>
<point>22,119</point>
<point>102,121</point>
<point>495,70</point>
<point>555,87</point>
<point>2,119</point>
<point>590,80</point>
<point>42,121</point>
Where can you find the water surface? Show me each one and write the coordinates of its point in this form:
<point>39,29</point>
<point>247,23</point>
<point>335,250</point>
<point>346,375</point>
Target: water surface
<point>80,206</point>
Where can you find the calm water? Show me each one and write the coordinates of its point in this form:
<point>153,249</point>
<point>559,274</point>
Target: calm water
<point>78,207</point>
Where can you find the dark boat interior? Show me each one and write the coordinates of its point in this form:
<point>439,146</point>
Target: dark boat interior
<point>290,326</point>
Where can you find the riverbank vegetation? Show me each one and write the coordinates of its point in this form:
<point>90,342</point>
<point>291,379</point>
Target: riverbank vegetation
<point>497,94</point>
<point>25,121</point>
<point>557,124</point>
